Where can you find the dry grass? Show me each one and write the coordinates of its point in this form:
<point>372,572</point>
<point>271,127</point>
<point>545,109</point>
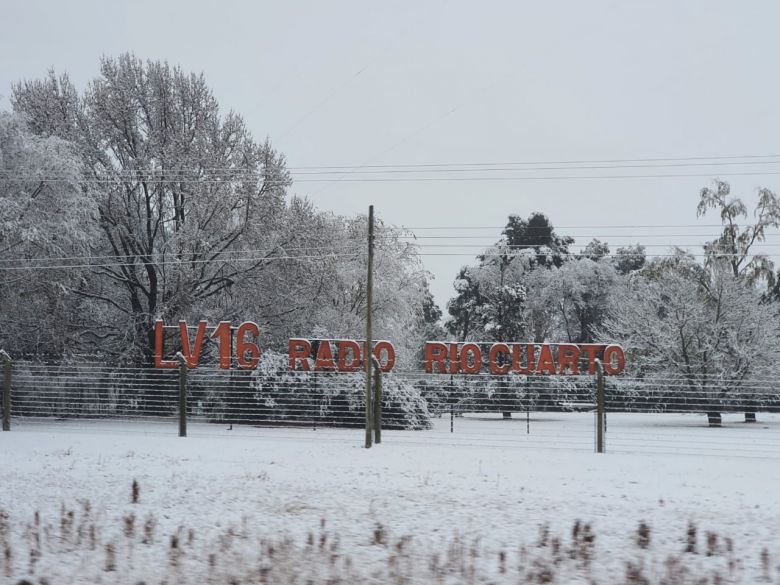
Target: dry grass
<point>76,547</point>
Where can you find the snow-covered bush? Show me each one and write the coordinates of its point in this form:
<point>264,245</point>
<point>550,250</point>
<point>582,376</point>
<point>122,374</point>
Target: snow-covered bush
<point>275,394</point>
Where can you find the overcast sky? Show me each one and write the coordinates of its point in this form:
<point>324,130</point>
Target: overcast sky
<point>370,83</point>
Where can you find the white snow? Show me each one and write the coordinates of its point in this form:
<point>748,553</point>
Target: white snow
<point>489,485</point>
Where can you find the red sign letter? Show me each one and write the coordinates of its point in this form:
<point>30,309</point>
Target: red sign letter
<point>435,351</point>
<point>495,349</point>
<point>617,351</point>
<point>476,356</point>
<point>354,364</point>
<point>158,348</point>
<point>299,350</point>
<point>568,356</point>
<point>242,347</point>
<point>389,350</point>
<point>546,364</point>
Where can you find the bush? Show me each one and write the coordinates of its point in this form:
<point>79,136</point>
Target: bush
<point>275,394</point>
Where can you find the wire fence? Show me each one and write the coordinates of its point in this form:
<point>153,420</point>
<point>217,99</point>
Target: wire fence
<point>653,415</point>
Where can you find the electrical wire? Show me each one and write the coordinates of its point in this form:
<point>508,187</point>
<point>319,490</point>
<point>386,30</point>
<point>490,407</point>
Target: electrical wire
<point>236,173</point>
<point>549,162</point>
<point>356,255</point>
<point>351,250</point>
<point>340,179</point>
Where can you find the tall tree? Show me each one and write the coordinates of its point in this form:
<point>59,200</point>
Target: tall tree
<point>735,245</point>
<point>700,329</point>
<point>179,188</point>
<point>490,304</point>
<point>491,299</point>
<point>465,306</point>
<point>580,295</point>
<point>537,237</point>
<point>595,250</point>
<point>629,259</point>
<point>40,219</point>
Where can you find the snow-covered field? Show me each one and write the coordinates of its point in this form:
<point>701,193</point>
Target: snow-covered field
<point>487,503</point>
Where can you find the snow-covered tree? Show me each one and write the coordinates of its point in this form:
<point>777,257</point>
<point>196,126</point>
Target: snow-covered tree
<point>699,331</point>
<point>735,245</point>
<point>537,235</point>
<point>491,296</point>
<point>490,303</point>
<point>40,219</point>
<point>596,249</point>
<point>579,295</point>
<point>179,186</point>
<point>400,287</point>
<point>628,259</point>
<point>193,216</point>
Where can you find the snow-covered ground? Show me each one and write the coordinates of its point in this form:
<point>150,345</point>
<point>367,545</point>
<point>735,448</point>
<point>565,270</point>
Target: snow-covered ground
<point>286,505</point>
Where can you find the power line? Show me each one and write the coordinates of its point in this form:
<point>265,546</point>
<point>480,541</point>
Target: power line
<point>546,162</point>
<point>552,253</point>
<point>493,241</point>
<point>359,171</point>
<point>136,261</point>
<point>533,246</point>
<point>350,249</point>
<point>412,179</point>
<point>536,178</point>
<point>151,255</point>
<point>357,248</point>
<point>568,227</point>
<point>235,173</point>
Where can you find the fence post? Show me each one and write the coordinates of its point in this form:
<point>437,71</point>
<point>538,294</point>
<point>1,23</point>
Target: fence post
<point>377,405</point>
<point>453,396</point>
<point>369,350</point>
<point>6,390</point>
<point>182,394</point>
<point>600,410</point>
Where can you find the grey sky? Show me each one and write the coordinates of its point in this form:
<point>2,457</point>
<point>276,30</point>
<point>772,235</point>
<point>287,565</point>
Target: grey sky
<point>351,83</point>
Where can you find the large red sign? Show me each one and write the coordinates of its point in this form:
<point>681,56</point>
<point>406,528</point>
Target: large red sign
<point>337,355</point>
<point>247,352</point>
<point>328,355</point>
<point>522,358</point>
<point>349,355</point>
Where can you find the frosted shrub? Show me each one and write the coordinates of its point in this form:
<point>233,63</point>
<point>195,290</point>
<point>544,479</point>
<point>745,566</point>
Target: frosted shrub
<point>275,394</point>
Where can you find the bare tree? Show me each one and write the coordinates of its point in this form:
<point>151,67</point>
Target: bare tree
<point>181,189</point>
<point>735,244</point>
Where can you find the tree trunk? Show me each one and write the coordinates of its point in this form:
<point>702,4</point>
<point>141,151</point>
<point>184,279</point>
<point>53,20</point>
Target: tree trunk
<point>714,419</point>
<point>750,417</point>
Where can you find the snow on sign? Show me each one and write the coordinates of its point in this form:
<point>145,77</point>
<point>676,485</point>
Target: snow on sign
<point>330,355</point>
<point>349,355</point>
<point>247,352</point>
<point>522,358</point>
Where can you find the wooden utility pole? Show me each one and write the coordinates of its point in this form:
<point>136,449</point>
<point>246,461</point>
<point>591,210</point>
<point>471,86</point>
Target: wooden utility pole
<point>369,308</point>
<point>600,409</point>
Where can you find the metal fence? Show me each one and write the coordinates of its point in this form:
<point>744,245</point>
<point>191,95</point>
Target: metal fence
<point>423,406</point>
